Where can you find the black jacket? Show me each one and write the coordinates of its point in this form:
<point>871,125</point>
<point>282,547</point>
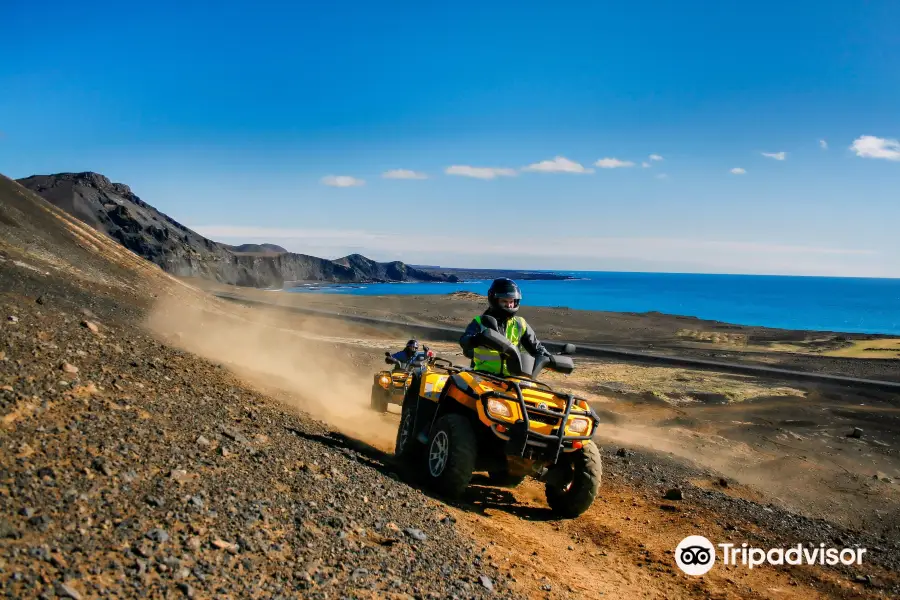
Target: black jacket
<point>529,340</point>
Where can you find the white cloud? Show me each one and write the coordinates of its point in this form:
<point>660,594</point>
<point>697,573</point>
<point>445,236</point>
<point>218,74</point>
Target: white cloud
<point>479,172</point>
<point>655,157</point>
<point>645,164</point>
<point>342,181</point>
<point>775,155</point>
<point>869,146</point>
<point>559,164</point>
<point>613,163</point>
<point>738,171</point>
<point>823,144</point>
<point>403,174</point>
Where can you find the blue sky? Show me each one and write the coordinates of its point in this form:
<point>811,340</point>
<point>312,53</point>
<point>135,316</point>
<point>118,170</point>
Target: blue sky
<point>263,122</point>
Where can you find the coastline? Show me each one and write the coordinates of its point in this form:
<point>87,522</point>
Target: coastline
<point>825,305</point>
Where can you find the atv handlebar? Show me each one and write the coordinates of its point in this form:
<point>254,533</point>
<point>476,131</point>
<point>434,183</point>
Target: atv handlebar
<point>523,364</point>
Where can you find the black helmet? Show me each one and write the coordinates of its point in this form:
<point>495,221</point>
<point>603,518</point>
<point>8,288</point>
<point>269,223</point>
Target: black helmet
<point>412,345</point>
<point>504,288</point>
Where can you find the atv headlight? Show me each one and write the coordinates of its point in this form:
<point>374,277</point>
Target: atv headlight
<point>499,408</point>
<point>385,380</point>
<point>579,425</point>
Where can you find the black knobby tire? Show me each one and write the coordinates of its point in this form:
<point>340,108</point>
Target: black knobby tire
<point>505,479</point>
<point>379,401</point>
<point>405,446</point>
<point>574,493</point>
<point>453,439</point>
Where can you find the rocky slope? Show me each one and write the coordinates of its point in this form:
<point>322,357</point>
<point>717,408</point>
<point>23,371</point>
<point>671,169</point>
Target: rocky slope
<point>132,469</point>
<point>115,210</point>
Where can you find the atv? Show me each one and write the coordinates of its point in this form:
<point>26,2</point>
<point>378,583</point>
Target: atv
<point>456,421</point>
<point>389,386</point>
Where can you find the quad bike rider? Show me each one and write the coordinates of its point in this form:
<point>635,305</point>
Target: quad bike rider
<point>495,416</point>
<point>408,353</point>
<point>504,297</point>
<point>389,386</point>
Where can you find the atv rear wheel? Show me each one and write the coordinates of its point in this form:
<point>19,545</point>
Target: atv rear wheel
<point>573,484</point>
<point>379,401</point>
<point>451,455</point>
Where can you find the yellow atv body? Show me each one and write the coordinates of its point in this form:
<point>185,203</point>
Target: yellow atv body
<point>456,421</point>
<point>389,386</point>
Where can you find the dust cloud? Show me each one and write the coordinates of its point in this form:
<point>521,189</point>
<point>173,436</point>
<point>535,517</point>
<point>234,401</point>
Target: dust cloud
<point>268,350</point>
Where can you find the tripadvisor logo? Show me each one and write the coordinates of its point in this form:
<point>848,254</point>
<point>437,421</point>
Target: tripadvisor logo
<point>696,555</point>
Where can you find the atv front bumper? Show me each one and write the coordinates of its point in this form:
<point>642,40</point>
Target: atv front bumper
<point>521,438</point>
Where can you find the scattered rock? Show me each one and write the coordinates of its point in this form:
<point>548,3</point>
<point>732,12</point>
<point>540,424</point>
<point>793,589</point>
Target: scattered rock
<point>202,441</point>
<point>193,543</point>
<point>66,591</point>
<point>486,582</point>
<point>856,433</point>
<point>41,523</point>
<point>416,534</point>
<point>186,589</point>
<point>157,535</point>
<point>668,507</point>
<point>234,435</point>
<point>223,545</point>
<point>182,476</point>
<point>91,326</point>
<point>7,530</point>
<point>723,482</point>
<point>622,452</point>
<point>673,494</point>
<point>68,368</point>
<point>155,501</point>
<point>100,465</point>
<point>12,319</point>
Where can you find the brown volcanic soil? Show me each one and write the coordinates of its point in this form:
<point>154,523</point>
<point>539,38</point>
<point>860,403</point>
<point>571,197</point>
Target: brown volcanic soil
<point>187,456</point>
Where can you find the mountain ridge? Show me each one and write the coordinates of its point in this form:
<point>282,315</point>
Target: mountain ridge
<point>113,209</point>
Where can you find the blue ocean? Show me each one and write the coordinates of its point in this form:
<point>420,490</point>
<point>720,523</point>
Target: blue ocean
<point>853,305</point>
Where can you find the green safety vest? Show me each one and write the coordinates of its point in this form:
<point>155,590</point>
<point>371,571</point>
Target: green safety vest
<point>486,359</point>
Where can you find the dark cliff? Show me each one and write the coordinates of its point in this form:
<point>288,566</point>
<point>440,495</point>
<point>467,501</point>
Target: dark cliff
<point>113,209</point>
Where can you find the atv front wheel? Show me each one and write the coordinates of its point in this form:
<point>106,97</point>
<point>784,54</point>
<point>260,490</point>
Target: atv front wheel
<point>379,401</point>
<point>572,484</point>
<point>405,444</point>
<point>451,455</point>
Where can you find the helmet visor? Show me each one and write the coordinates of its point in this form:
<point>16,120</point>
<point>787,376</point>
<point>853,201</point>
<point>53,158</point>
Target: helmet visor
<point>512,294</point>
